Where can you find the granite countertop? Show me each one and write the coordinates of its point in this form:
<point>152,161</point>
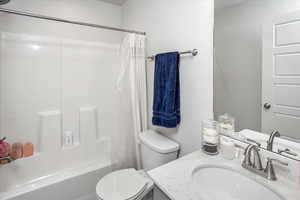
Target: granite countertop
<point>176,181</point>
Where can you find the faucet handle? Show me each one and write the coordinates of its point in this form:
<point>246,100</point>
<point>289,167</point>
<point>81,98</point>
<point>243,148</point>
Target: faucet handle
<point>287,151</point>
<point>269,170</point>
<point>254,141</point>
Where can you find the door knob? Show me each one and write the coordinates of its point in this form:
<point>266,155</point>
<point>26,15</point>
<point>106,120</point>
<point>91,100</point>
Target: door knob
<point>267,106</point>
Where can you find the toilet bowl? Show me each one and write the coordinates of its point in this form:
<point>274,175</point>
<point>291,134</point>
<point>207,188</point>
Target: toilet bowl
<point>130,184</point>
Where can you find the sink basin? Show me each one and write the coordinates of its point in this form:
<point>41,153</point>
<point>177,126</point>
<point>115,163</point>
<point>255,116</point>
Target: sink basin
<point>228,184</point>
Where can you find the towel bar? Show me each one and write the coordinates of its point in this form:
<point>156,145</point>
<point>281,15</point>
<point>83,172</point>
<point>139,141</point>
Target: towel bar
<point>193,52</point>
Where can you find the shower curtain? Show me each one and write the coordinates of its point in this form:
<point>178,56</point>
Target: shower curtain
<point>131,102</point>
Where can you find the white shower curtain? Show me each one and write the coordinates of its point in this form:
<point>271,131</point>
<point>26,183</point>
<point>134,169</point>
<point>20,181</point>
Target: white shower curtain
<point>131,102</point>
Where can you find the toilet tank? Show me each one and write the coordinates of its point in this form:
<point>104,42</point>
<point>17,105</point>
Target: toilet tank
<point>156,150</point>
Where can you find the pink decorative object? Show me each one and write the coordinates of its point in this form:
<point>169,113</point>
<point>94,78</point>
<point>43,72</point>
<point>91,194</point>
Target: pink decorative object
<point>28,149</point>
<point>16,151</point>
<point>4,148</point>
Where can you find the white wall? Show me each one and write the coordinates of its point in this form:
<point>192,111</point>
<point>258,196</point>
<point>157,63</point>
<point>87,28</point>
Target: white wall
<point>91,11</point>
<point>180,25</point>
<point>237,69</point>
<point>57,77</point>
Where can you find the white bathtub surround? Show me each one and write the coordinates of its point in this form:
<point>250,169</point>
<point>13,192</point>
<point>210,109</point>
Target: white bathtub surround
<point>44,91</point>
<point>57,77</point>
<point>183,180</point>
<point>132,100</point>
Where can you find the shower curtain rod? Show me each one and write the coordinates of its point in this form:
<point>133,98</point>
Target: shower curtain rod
<point>37,16</point>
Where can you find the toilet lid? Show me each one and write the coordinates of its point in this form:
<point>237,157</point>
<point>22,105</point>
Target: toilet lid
<point>121,185</point>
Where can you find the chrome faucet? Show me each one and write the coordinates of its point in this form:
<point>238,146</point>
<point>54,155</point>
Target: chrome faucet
<point>271,140</point>
<point>252,162</point>
<point>255,164</point>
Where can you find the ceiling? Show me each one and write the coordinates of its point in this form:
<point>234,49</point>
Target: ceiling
<point>118,2</point>
<point>221,4</point>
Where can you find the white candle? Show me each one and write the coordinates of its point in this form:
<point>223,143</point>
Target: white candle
<point>210,135</point>
<point>210,132</point>
<point>225,128</point>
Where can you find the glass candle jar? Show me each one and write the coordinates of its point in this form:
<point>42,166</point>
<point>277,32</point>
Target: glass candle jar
<point>210,137</point>
<point>226,125</point>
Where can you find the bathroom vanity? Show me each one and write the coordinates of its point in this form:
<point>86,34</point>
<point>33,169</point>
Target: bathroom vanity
<point>198,176</point>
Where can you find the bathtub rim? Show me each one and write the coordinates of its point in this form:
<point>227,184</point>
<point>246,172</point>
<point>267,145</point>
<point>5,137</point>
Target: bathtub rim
<point>57,177</point>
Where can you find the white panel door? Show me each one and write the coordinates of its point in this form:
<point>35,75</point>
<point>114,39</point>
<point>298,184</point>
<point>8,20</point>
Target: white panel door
<point>281,76</point>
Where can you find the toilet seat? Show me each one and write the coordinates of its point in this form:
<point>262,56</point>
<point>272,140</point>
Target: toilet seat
<point>126,184</point>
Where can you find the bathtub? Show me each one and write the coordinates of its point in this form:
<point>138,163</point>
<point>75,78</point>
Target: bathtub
<point>76,183</point>
<point>56,172</point>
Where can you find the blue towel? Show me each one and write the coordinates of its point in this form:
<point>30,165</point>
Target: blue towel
<point>166,102</point>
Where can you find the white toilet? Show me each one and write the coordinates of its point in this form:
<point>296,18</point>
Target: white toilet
<point>130,184</point>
